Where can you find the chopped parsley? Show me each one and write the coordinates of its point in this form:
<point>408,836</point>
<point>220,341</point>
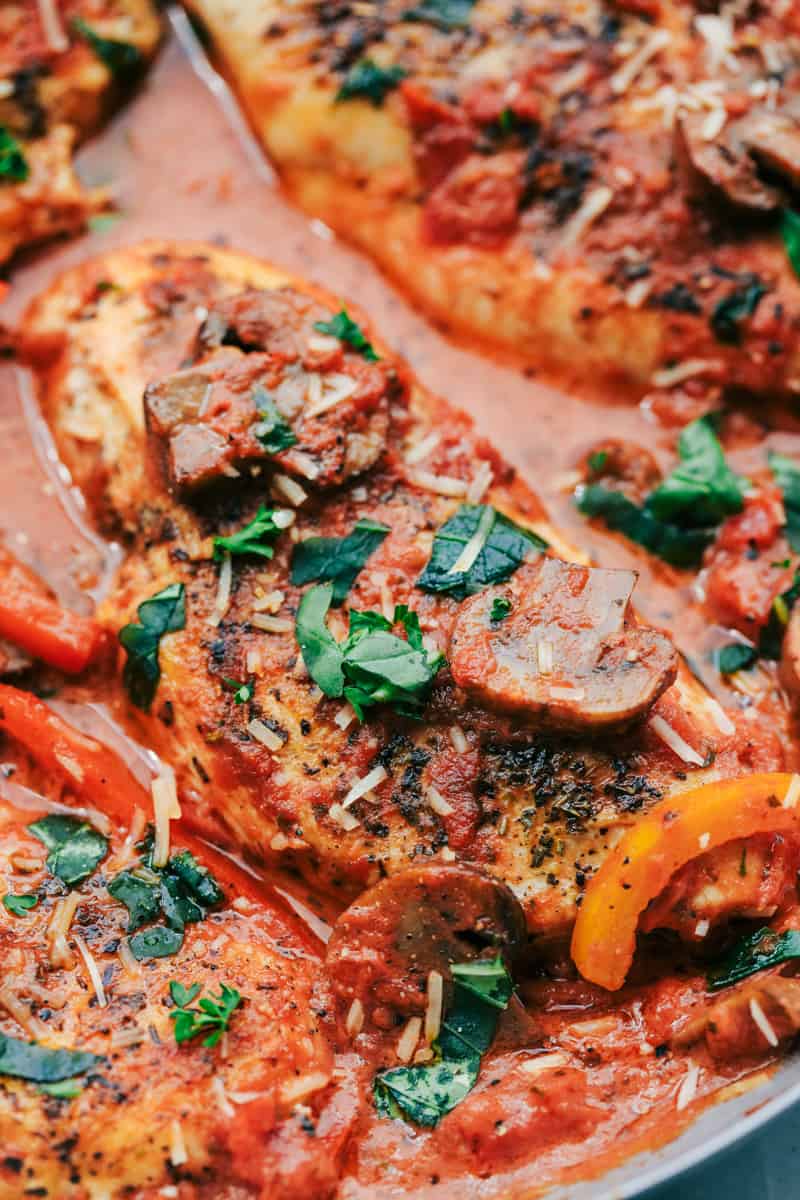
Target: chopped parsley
<point>424,1094</point>
<point>787,477</point>
<point>161,614</point>
<point>734,308</point>
<point>759,950</point>
<point>13,163</point>
<point>122,59</point>
<point>337,560</point>
<point>368,81</point>
<point>242,692</point>
<point>445,14</point>
<point>343,327</point>
<point>273,431</point>
<point>478,546</point>
<point>211,1015</point>
<point>19,905</point>
<point>41,1064</point>
<point>372,665</point>
<point>790,232</point>
<point>251,538</point>
<point>76,848</point>
<point>501,607</point>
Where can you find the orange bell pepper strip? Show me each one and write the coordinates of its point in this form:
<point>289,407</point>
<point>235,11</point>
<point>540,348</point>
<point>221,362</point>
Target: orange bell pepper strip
<point>671,834</point>
<point>94,772</point>
<point>34,621</point>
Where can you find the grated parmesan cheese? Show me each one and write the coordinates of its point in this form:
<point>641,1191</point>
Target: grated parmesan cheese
<point>701,928</point>
<point>177,1146</point>
<point>592,207</point>
<point>443,485</point>
<point>269,624</point>
<point>416,454</point>
<point>686,1092</point>
<point>355,1018</point>
<point>263,734</point>
<point>52,26</point>
<point>166,808</point>
<point>127,958</point>
<point>332,391</point>
<point>481,481</point>
<point>345,716</point>
<point>437,801</point>
<point>270,602</point>
<point>676,743</point>
<point>792,793</point>
<point>407,1043</point>
<point>669,376</point>
<point>221,1097</point>
<point>544,657</point>
<point>342,817</point>
<point>289,489</point>
<point>21,1014</point>
<point>92,970</point>
<point>364,785</point>
<point>459,739</point>
<point>762,1022</point>
<point>223,597</point>
<point>63,915</point>
<point>622,79</point>
<point>567,693</point>
<point>433,1012</point>
<point>284,517</point>
<point>544,1062</point>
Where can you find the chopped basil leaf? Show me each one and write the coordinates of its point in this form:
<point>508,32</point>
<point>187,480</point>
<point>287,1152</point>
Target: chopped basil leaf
<point>702,490</point>
<point>762,949</point>
<point>787,477</point>
<point>680,547</point>
<point>501,607</point>
<point>75,847</point>
<point>163,613</point>
<point>337,560</point>
<point>251,538</point>
<point>343,327</point>
<point>790,232</point>
<point>426,1093</point>
<point>445,14</point>
<point>372,665</point>
<point>64,1089</point>
<point>141,898</point>
<point>197,880</point>
<point>273,431</point>
<point>19,905</point>
<point>40,1064</point>
<point>182,892</point>
<point>735,657</point>
<point>369,81</point>
<point>741,303</point>
<point>478,546</point>
<point>242,692</point>
<point>211,1015</point>
<point>122,59</point>
<point>158,941</point>
<point>13,164</point>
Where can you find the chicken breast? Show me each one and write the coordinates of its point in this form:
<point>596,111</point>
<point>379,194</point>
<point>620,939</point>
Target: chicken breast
<point>277,763</point>
<point>63,66</point>
<point>594,185</point>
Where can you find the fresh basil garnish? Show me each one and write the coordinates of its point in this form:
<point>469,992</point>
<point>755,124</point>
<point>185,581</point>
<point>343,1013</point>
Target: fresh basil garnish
<point>762,949</point>
<point>122,59</point>
<point>157,942</point>
<point>211,1016</point>
<point>182,892</point>
<point>735,657</point>
<point>141,897</point>
<point>787,477</point>
<point>672,543</point>
<point>739,304</point>
<point>40,1064</point>
<point>273,431</point>
<point>368,81</point>
<point>163,613</point>
<point>19,905</point>
<point>343,327</point>
<point>477,547</point>
<point>372,665</point>
<point>428,1092</point>
<point>251,538</point>
<point>75,847</point>
<point>13,163</point>
<point>445,14</point>
<point>790,232</point>
<point>337,560</point>
<point>501,607</point>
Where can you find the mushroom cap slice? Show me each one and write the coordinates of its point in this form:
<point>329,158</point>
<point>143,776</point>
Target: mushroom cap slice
<point>723,165</point>
<point>568,656</point>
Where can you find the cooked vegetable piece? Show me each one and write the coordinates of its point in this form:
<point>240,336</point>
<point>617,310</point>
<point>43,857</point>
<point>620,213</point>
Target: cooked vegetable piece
<point>161,614</point>
<point>762,949</point>
<point>478,546</point>
<point>366,80</point>
<point>41,1064</point>
<point>343,327</point>
<point>75,847</point>
<point>337,560</point>
<point>669,835</point>
<point>211,1015</point>
<point>251,538</point>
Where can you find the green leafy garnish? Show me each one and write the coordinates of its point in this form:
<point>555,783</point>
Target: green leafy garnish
<point>477,547</point>
<point>735,657</point>
<point>678,546</point>
<point>273,430</point>
<point>790,232</point>
<point>157,942</point>
<point>211,1015</point>
<point>762,949</point>
<point>251,538</point>
<point>242,692</point>
<point>741,303</point>
<point>428,1092</point>
<point>13,164</point>
<point>337,560</point>
<point>787,477</point>
<point>445,14</point>
<point>19,905</point>
<point>40,1064</point>
<point>181,893</point>
<point>163,613</point>
<point>122,59</point>
<point>75,847</point>
<point>372,665</point>
<point>141,895</point>
<point>501,607</point>
<point>343,327</point>
<point>64,1089</point>
<point>366,80</point>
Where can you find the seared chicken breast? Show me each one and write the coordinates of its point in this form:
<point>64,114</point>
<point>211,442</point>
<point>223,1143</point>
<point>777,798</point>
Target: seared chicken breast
<point>598,186</point>
<point>63,65</point>
<point>196,393</point>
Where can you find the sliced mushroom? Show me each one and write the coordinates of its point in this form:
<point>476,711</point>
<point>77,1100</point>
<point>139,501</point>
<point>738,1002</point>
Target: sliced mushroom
<point>721,165</point>
<point>773,139</point>
<point>385,945</point>
<point>568,655</point>
<point>748,1021</point>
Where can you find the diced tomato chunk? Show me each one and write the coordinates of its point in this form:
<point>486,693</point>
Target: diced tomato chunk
<point>478,202</point>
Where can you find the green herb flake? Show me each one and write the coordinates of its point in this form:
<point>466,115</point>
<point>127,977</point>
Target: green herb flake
<point>368,81</point>
<point>159,941</point>
<point>273,431</point>
<point>161,614</point>
<point>734,308</point>
<point>762,949</point>
<point>251,538</point>
<point>790,232</point>
<point>343,327</point>
<point>477,547</point>
<point>182,892</point>
<point>75,847</point>
<point>19,905</point>
<point>337,560</point>
<point>787,477</point>
<point>211,1015</point>
<point>122,59</point>
<point>13,164</point>
<point>737,656</point>
<point>501,607</point>
<point>41,1064</point>
<point>242,692</point>
<point>596,461</point>
<point>444,14</point>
